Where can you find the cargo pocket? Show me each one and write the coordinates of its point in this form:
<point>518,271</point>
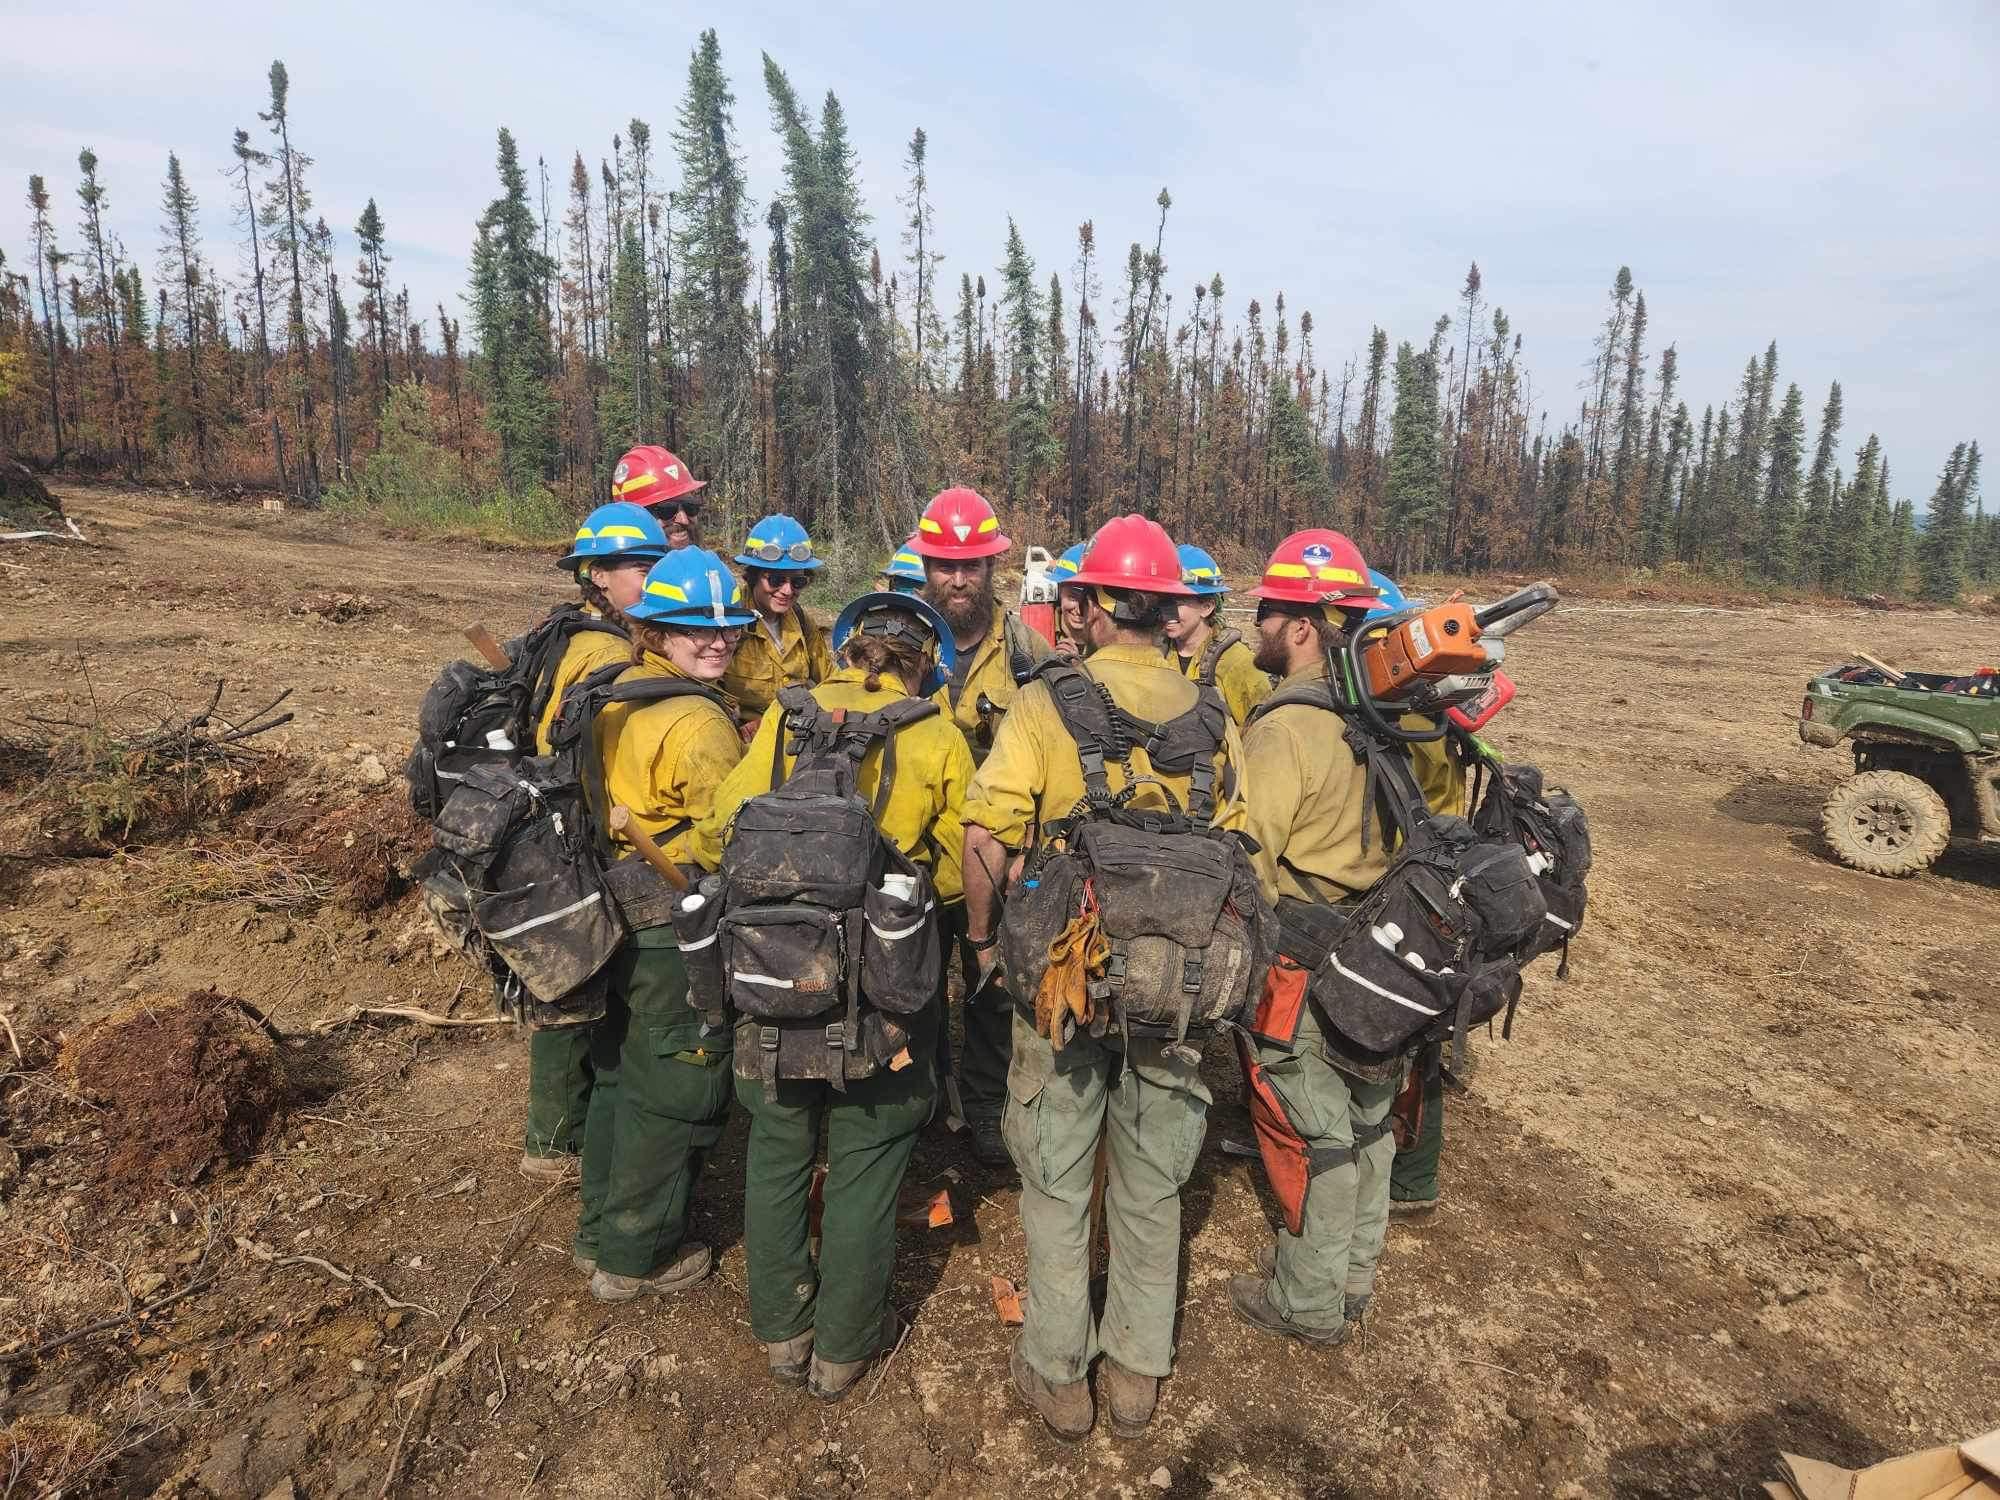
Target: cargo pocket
<point>901,950</point>
<point>782,963</point>
<point>689,1041</point>
<point>1287,1160</point>
<point>1028,1073</point>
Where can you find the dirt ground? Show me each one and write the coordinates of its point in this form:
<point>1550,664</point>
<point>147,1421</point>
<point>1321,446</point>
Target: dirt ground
<point>1732,1188</point>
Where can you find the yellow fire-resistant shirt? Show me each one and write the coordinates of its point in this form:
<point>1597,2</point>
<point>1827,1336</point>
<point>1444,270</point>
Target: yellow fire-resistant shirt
<point>586,652</point>
<point>761,667</point>
<point>988,672</point>
<point>664,760</point>
<point>1033,774</point>
<point>1308,811</point>
<point>1238,678</point>
<point>933,770</point>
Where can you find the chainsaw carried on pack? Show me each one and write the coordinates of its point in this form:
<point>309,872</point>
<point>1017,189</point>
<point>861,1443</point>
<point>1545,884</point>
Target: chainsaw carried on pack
<point>1189,934</point>
<point>826,933</point>
<point>1445,658</point>
<point>521,875</point>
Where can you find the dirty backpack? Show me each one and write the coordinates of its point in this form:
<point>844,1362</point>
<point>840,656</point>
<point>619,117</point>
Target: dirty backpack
<point>1211,655</point>
<point>1436,945</point>
<point>1553,830</point>
<point>1189,932</point>
<point>475,714</point>
<point>521,874</point>
<point>827,934</point>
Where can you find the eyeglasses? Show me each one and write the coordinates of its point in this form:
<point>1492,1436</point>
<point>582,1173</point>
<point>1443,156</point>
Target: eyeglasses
<point>771,552</point>
<point>796,582</point>
<point>1266,610</point>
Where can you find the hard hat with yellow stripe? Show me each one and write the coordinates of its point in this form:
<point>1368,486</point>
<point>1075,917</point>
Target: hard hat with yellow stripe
<point>692,589</point>
<point>616,530</point>
<point>905,570</point>
<point>1317,567</point>
<point>958,525</point>
<point>649,474</point>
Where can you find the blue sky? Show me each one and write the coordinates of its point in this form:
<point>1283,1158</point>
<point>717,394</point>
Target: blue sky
<point>1820,174</point>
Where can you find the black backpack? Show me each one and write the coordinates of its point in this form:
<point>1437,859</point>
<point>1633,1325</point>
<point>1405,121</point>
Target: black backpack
<point>1436,945</point>
<point>1211,655</point>
<point>522,874</point>
<point>1190,933</point>
<point>476,715</point>
<point>815,953</point>
<point>1552,828</point>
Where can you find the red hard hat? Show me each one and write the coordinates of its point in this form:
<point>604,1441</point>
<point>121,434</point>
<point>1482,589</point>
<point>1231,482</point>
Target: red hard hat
<point>1131,552</point>
<point>1317,566</point>
<point>648,474</point>
<point>958,524</point>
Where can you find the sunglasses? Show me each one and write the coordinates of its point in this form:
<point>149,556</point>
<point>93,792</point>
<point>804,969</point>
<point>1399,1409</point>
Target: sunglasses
<point>1266,610</point>
<point>798,583</point>
<point>670,508</point>
<point>771,552</point>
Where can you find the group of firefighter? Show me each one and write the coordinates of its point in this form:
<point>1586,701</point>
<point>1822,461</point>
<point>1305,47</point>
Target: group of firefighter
<point>642,1094</point>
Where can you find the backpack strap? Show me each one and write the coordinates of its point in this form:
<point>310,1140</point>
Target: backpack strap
<point>569,737</point>
<point>545,645</point>
<point>1211,655</point>
<point>1090,718</point>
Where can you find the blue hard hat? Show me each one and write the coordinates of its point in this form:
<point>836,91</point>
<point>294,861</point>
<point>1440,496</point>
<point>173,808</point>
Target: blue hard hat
<point>1388,598</point>
<point>615,530</point>
<point>1199,572</point>
<point>910,616</point>
<point>904,571</point>
<point>692,589</point>
<point>1064,568</point>
<point>778,542</point>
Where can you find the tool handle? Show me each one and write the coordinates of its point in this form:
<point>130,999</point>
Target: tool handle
<point>483,642</point>
<point>626,826</point>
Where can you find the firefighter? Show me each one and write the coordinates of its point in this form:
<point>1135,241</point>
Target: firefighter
<point>903,573</point>
<point>1142,1096</point>
<point>821,1325</point>
<point>1069,600</point>
<point>1322,1113</point>
<point>788,644</point>
<point>613,548</point>
<point>958,537</point>
<point>662,1080</point>
<point>1205,650</point>
<point>649,475</point>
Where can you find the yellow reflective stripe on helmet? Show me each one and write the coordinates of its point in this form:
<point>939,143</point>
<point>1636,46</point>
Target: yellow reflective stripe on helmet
<point>991,523</point>
<point>1339,575</point>
<point>925,523</point>
<point>1204,573</point>
<point>916,561</point>
<point>636,482</point>
<point>583,533</point>
<point>1289,570</point>
<point>667,590</point>
<point>620,529</point>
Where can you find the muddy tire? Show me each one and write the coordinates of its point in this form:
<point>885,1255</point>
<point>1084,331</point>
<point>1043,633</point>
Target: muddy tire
<point>1886,823</point>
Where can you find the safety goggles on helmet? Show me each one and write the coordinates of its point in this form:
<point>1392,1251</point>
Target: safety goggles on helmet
<point>772,552</point>
<point>904,617</point>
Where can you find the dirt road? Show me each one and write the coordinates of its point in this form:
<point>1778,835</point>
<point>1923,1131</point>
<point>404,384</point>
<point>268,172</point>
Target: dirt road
<point>1732,1188</point>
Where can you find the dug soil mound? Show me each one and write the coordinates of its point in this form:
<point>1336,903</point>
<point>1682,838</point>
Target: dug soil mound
<point>187,1083</point>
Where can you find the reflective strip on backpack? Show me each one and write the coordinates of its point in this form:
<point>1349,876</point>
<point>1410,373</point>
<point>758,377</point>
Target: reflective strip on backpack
<point>1370,985</point>
<point>1565,926</point>
<point>546,918</point>
<point>763,979</point>
<point>705,942</point>
<point>896,935</point>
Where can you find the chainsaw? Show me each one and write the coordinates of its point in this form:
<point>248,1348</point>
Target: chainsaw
<point>1439,659</point>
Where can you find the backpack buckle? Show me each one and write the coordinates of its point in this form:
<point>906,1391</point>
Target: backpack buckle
<point>1191,972</point>
<point>767,1038</point>
<point>1114,968</point>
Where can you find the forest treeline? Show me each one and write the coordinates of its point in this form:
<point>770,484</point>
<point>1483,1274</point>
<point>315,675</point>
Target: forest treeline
<point>804,358</point>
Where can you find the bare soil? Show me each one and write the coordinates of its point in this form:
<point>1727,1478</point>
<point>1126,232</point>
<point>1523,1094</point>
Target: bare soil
<point>1732,1188</point>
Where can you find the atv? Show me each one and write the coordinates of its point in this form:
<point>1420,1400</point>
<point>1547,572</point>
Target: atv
<point>1926,762</point>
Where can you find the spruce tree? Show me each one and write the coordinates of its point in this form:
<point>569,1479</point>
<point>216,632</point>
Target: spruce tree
<point>1902,549</point>
<point>1029,444</point>
<point>620,424</point>
<point>371,275</point>
<point>1942,551</point>
<point>919,236</point>
<point>286,203</point>
<point>48,265</point>
<point>248,161</point>
<point>90,193</point>
<point>515,356</point>
<point>1778,535</point>
<point>1412,497</point>
<point>1816,538</point>
<point>180,268</point>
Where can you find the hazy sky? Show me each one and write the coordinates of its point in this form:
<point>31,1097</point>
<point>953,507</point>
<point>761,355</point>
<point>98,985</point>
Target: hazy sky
<point>1823,174</point>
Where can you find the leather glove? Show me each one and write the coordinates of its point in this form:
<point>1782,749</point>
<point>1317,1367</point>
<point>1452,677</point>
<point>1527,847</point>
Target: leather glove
<point>1062,1003</point>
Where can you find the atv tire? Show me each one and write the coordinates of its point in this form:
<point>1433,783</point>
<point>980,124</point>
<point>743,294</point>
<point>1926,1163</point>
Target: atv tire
<point>1886,823</point>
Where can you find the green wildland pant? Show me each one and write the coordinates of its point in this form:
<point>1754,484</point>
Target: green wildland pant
<point>661,1098</point>
<point>987,1025</point>
<point>871,1128</point>
<point>559,1084</point>
<point>1346,1210</point>
<point>1415,1176</point>
<point>1152,1110</point>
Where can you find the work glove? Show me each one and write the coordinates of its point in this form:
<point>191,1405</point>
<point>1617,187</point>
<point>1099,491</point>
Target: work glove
<point>1077,955</point>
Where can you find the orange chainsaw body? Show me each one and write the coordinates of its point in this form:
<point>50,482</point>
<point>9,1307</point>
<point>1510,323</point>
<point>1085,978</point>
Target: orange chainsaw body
<point>1443,641</point>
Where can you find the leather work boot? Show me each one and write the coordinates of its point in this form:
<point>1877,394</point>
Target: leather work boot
<point>558,1168</point>
<point>1357,1305</point>
<point>1250,1297</point>
<point>1131,1397</point>
<point>789,1358</point>
<point>1412,1208</point>
<point>1066,1410</point>
<point>686,1269</point>
<point>832,1379</point>
<point>989,1149</point>
<point>587,1264</point>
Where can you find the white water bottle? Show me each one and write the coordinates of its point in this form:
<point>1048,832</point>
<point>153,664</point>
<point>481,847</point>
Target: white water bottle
<point>900,887</point>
